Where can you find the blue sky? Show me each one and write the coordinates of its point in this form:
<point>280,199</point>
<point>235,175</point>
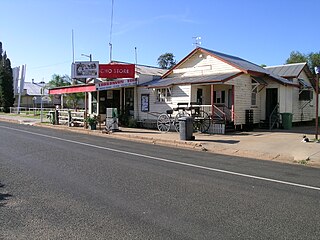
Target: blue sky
<point>39,32</point>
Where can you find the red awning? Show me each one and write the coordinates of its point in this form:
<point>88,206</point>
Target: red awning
<point>73,89</point>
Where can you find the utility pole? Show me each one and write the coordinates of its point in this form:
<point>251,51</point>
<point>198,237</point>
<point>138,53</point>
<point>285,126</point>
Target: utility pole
<point>86,96</point>
<point>317,71</point>
<point>41,104</point>
<point>111,27</point>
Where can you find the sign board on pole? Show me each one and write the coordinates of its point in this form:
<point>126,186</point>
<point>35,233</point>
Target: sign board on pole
<point>112,71</point>
<point>115,84</point>
<point>85,69</point>
<point>22,78</point>
<point>15,76</point>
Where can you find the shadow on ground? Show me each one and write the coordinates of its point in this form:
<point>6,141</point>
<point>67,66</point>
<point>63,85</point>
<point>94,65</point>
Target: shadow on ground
<point>221,141</point>
<point>3,196</point>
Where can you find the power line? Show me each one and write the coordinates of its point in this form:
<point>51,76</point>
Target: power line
<point>51,65</point>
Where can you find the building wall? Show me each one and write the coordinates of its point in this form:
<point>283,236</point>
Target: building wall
<point>179,94</point>
<point>242,99</point>
<point>202,64</point>
<point>284,98</point>
<point>288,99</point>
<point>303,110</point>
<point>206,94</point>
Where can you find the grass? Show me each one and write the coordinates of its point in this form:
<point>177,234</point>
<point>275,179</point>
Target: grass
<point>303,162</point>
<point>25,115</point>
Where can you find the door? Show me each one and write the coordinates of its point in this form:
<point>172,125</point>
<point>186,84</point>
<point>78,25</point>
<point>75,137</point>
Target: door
<point>230,92</point>
<point>129,101</point>
<point>113,99</point>
<point>199,96</point>
<point>271,100</point>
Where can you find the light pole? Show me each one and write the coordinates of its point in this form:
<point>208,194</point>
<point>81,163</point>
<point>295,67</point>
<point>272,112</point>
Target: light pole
<point>317,71</point>
<point>85,95</point>
<point>89,56</point>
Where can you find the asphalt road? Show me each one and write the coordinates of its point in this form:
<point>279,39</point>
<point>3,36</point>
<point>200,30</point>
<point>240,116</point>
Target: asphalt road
<point>63,185</point>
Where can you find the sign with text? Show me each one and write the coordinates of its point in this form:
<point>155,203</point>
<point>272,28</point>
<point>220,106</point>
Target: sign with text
<point>112,71</point>
<point>116,84</point>
<point>85,69</point>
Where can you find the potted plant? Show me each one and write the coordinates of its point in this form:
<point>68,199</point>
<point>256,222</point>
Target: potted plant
<point>92,121</point>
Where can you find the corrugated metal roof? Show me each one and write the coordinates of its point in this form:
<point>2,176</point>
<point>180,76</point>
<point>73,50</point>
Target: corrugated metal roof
<point>238,62</point>
<point>215,78</point>
<point>287,70</point>
<point>246,65</point>
<point>146,70</point>
<point>304,84</point>
<point>34,89</point>
<point>260,80</point>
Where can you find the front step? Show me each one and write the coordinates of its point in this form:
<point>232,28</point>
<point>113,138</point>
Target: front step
<point>221,127</point>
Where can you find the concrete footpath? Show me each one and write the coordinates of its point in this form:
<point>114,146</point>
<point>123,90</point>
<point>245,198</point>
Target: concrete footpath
<point>277,145</point>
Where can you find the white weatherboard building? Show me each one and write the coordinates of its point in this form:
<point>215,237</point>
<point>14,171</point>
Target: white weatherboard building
<point>222,83</point>
<point>301,101</point>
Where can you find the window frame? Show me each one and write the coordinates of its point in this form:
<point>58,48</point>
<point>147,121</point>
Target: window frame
<point>254,92</point>
<point>306,95</point>
<point>222,98</point>
<point>163,95</point>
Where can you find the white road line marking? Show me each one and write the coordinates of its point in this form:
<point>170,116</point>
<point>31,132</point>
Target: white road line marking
<point>170,161</point>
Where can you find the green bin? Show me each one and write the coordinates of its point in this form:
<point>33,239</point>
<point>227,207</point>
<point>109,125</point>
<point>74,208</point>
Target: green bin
<point>286,120</point>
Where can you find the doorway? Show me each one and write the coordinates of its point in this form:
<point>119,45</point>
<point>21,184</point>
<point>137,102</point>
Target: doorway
<point>128,101</point>
<point>199,96</point>
<point>271,100</point>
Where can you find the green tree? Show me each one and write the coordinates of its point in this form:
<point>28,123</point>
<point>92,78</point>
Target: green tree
<point>166,61</point>
<point>312,59</point>
<point>297,57</point>
<point>6,82</point>
<point>59,81</point>
<point>72,99</point>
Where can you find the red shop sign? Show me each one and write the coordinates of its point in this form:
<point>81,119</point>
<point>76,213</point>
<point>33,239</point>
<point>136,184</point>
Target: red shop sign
<point>116,71</point>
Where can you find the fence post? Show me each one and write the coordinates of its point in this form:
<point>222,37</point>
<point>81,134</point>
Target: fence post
<point>69,118</point>
<point>56,117</point>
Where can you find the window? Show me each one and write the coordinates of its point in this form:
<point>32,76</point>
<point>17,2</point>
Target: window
<point>219,97</point>
<point>254,92</point>
<point>163,94</point>
<point>306,95</point>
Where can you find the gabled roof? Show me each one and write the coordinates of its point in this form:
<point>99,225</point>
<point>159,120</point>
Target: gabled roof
<point>34,89</point>
<point>212,79</point>
<point>239,63</point>
<point>293,70</point>
<point>288,70</point>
